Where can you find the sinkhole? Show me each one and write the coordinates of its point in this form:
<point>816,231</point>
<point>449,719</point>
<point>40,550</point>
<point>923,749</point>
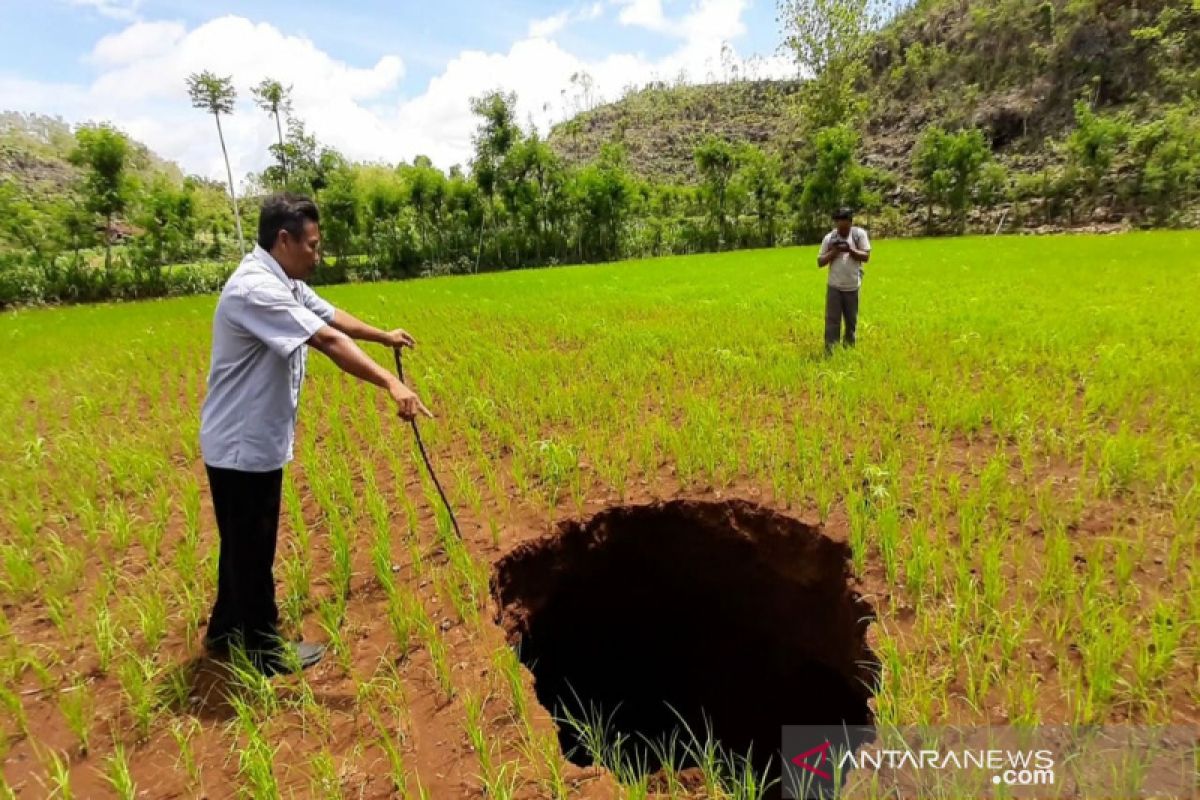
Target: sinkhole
<point>723,616</point>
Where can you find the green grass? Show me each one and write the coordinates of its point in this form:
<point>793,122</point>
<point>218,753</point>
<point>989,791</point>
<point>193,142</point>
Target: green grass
<point>1011,453</point>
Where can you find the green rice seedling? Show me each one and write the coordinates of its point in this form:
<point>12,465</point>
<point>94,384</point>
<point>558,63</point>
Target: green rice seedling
<point>152,617</point>
<point>1022,697</point>
<point>182,730</point>
<point>593,729</point>
<point>918,567</point>
<point>467,489</point>
<point>295,513</point>
<point>297,582</point>
<point>1058,578</point>
<point>330,613</point>
<point>402,619</point>
<point>57,782</point>
<point>120,525</point>
<point>1120,462</point>
<point>391,745</point>
<point>151,533</point>
<point>634,777</point>
<point>117,774</point>
<point>10,701</point>
<point>1157,650</point>
<point>77,705</point>
<point>136,676</point>
<point>459,596</point>
<point>325,781</point>
<point>104,636</point>
<point>744,782</point>
<point>542,749</point>
<point>992,579</point>
<point>1123,566</point>
<point>859,522</point>
<point>381,559</point>
<point>706,754</point>
<point>431,638</point>
<point>887,526</point>
<point>341,573</point>
<point>505,783</point>
<point>256,765</point>
<point>506,661</point>
<point>21,577</point>
<point>477,734</point>
<point>417,557</point>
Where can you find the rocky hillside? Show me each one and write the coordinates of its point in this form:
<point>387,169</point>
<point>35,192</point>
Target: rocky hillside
<point>1013,68</point>
<point>34,150</point>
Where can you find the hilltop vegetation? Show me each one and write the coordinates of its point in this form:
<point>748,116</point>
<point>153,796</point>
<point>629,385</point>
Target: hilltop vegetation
<point>1016,71</point>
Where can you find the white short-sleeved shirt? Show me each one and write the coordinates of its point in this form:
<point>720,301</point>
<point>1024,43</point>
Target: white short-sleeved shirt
<point>259,353</point>
<point>844,272</point>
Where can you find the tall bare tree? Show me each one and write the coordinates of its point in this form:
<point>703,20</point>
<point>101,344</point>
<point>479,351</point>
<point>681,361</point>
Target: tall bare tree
<point>216,95</point>
<point>276,99</point>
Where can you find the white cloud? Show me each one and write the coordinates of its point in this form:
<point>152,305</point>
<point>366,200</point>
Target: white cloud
<point>644,14</point>
<point>548,26</point>
<point>139,41</point>
<point>125,10</point>
<point>141,86</point>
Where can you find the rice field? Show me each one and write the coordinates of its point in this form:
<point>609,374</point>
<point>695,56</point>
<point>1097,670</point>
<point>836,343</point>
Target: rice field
<point>1010,454</point>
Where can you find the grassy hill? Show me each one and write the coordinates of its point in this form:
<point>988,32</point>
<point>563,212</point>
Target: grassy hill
<point>34,150</point>
<point>1012,68</point>
<point>660,125</point>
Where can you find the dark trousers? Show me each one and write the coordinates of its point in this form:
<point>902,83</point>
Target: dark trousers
<point>840,306</point>
<point>247,510</point>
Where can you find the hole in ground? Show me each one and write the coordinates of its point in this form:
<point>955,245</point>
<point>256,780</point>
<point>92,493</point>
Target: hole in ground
<point>690,611</point>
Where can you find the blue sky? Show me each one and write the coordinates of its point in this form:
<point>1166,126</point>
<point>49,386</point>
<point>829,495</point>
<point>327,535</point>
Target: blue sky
<point>382,80</point>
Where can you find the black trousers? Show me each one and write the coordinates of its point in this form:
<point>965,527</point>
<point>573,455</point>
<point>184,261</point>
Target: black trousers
<point>840,306</point>
<point>247,510</point>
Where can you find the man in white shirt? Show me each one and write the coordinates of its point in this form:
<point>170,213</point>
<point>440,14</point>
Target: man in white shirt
<point>844,250</point>
<point>265,319</point>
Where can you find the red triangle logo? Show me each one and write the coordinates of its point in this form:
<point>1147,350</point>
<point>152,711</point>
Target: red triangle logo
<point>822,753</point>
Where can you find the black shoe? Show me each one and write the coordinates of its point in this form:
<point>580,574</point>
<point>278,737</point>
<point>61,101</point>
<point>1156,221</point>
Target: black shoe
<point>297,656</point>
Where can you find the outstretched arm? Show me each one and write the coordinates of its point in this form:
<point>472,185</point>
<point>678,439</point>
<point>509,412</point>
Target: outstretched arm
<point>350,358</point>
<point>357,329</point>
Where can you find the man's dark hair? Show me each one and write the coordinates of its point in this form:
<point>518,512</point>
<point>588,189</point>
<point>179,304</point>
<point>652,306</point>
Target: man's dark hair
<point>844,213</point>
<point>284,212</point>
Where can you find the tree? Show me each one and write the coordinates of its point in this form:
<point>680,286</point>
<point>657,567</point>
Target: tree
<point>495,136</point>
<point>716,161</point>
<point>828,39</point>
<point>103,153</point>
<point>216,95</point>
<point>426,188</point>
<point>759,174</point>
<point>950,167</point>
<point>1093,145</point>
<point>22,225</point>
<point>167,217</point>
<point>339,212</point>
<point>272,97</point>
<point>602,192</point>
<point>834,178</point>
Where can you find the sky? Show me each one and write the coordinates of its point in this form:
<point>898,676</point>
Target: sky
<point>381,81</point>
